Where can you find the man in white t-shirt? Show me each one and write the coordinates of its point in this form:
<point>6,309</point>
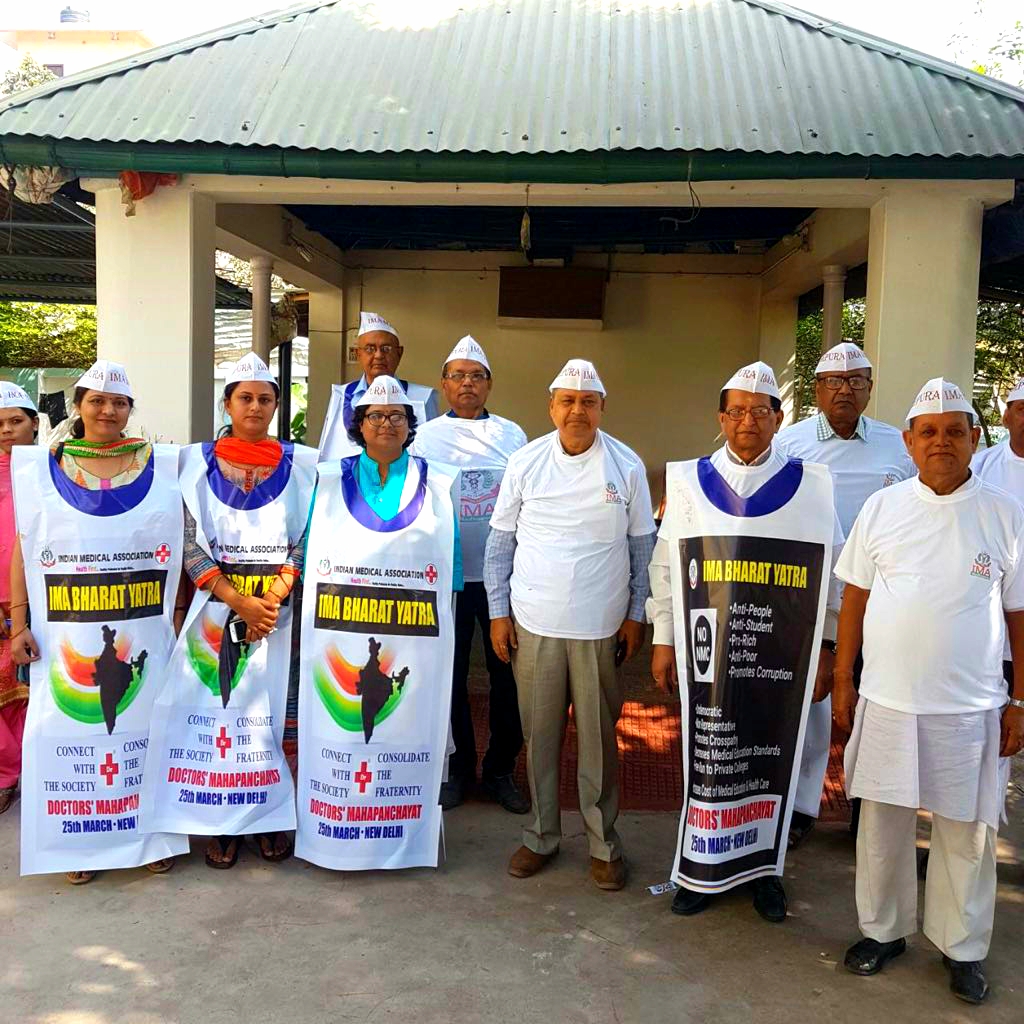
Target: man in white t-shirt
<point>932,568</point>
<point>863,455</point>
<point>479,443</point>
<point>571,538</point>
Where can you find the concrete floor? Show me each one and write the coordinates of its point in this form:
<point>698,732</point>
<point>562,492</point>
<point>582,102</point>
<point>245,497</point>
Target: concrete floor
<point>468,943</point>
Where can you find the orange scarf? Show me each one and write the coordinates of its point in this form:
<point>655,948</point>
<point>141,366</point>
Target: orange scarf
<point>248,453</point>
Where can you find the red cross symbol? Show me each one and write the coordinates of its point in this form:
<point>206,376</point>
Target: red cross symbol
<point>109,768</point>
<point>363,777</point>
<point>223,741</point>
<point>431,574</point>
<point>162,553</point>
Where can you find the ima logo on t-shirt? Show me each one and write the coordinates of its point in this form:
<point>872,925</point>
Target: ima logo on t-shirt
<point>611,494</point>
<point>982,566</point>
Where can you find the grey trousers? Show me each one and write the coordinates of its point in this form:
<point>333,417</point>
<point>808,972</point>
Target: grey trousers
<point>550,673</point>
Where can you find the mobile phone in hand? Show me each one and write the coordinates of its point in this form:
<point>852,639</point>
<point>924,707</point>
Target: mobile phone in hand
<point>237,630</point>
<point>620,653</point>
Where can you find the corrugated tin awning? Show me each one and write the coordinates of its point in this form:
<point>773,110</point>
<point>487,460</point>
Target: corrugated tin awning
<point>48,254</point>
<point>534,77</point>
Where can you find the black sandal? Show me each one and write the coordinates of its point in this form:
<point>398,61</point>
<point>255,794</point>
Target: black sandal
<point>224,842</point>
<point>271,840</point>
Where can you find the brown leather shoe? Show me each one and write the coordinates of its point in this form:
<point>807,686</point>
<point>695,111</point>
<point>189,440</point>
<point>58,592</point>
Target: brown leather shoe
<point>608,874</point>
<point>525,862</point>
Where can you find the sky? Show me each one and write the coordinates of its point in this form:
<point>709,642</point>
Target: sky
<point>927,25</point>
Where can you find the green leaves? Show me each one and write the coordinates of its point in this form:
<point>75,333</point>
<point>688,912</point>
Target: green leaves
<point>46,334</point>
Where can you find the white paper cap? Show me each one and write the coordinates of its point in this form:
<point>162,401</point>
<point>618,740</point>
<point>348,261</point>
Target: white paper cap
<point>108,376</point>
<point>578,375</point>
<point>468,348</point>
<point>1016,392</point>
<point>384,390</point>
<point>939,395</point>
<point>374,322</point>
<point>250,367</point>
<point>757,378</point>
<point>842,357</point>
<point>13,397</point>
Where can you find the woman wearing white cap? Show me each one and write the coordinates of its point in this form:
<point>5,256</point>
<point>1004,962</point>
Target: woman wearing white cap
<point>377,644</point>
<point>224,705</point>
<point>99,523</point>
<point>19,421</point>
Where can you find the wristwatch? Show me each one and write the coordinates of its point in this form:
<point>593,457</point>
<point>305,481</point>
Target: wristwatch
<point>829,645</point>
<point>1016,703</point>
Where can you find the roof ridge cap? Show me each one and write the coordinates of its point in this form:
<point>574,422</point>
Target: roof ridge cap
<point>849,34</point>
<point>245,26</point>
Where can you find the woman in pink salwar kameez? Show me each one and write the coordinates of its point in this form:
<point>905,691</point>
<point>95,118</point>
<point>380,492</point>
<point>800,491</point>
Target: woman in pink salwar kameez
<point>19,420</point>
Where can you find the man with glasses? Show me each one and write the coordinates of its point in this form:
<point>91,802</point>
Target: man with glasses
<point>479,443</point>
<point>864,456</point>
<point>566,576</point>
<point>379,352</point>
<point>751,497</point>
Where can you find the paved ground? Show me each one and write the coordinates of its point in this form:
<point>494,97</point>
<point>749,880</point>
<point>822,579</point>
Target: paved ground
<point>467,943</point>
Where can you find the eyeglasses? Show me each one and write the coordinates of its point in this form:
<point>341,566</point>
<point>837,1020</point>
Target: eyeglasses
<point>476,377</point>
<point>759,412</point>
<point>836,383</point>
<point>378,419</point>
<point>372,350</point>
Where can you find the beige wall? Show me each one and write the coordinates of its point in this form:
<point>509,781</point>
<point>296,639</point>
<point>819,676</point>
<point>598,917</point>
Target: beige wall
<point>76,48</point>
<point>674,329</point>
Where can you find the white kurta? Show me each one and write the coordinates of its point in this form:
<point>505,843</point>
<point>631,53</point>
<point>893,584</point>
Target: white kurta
<point>745,480</point>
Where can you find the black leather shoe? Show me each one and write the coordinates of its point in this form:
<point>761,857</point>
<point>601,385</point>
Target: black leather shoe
<point>503,789</point>
<point>770,899</point>
<point>800,827</point>
<point>967,979</point>
<point>687,902</point>
<point>869,956</point>
<point>453,792</point>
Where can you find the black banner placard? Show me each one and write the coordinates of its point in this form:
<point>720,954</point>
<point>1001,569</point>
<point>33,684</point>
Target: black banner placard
<point>750,609</point>
<point>393,610</point>
<point>253,579</point>
<point>105,596</point>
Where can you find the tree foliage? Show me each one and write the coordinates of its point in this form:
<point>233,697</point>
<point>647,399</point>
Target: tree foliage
<point>27,75</point>
<point>45,334</point>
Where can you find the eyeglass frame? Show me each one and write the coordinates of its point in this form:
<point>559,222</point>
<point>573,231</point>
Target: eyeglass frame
<point>388,417</point>
<point>757,413</point>
<point>385,350</point>
<point>824,379</point>
<point>475,377</point>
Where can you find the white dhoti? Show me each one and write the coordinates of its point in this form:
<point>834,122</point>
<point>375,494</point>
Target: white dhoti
<point>814,759</point>
<point>946,764</point>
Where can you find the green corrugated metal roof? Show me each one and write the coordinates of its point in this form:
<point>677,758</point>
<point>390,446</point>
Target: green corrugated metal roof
<point>532,77</point>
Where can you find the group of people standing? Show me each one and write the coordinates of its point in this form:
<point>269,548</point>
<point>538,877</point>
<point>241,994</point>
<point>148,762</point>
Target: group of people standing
<point>203,624</point>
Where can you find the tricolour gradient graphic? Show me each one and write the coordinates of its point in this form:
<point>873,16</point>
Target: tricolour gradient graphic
<point>336,680</point>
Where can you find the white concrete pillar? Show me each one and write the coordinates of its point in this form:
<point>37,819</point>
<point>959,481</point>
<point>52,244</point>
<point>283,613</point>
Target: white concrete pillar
<point>262,265</point>
<point>326,354</point>
<point>154,305</point>
<point>778,347</point>
<point>924,253</point>
<point>834,280</point>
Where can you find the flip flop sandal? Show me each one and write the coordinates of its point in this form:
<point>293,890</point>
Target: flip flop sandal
<point>161,867</point>
<point>80,877</point>
<point>270,838</point>
<point>224,842</point>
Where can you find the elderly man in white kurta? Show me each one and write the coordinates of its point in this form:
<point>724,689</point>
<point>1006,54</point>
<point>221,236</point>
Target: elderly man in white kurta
<point>864,455</point>
<point>571,537</point>
<point>932,568</point>
<point>750,414</point>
